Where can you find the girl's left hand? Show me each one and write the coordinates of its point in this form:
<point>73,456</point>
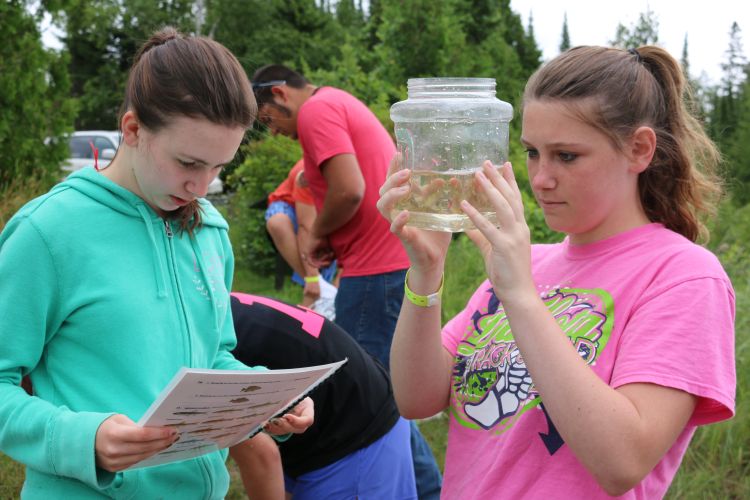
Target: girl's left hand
<point>506,250</point>
<point>295,422</point>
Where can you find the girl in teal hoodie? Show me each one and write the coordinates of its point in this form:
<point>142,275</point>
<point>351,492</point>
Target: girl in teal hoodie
<point>114,280</point>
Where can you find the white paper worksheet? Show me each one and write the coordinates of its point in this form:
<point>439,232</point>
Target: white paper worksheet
<point>215,409</point>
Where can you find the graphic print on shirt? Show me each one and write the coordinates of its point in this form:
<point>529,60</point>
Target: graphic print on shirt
<point>208,272</point>
<point>214,269</point>
<point>491,386</point>
<point>310,322</point>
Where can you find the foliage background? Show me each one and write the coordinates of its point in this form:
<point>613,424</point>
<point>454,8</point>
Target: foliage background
<point>46,94</point>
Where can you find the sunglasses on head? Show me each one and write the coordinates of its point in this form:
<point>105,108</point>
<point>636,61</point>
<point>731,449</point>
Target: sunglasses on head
<point>272,83</point>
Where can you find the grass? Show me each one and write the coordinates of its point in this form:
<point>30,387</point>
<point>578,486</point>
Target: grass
<point>716,466</point>
<point>11,478</point>
<point>435,432</point>
<point>17,193</point>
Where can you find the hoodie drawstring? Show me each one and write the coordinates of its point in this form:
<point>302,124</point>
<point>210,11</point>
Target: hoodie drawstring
<point>159,272</point>
<point>207,280</point>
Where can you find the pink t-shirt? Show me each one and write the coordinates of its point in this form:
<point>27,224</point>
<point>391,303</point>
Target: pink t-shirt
<point>333,122</point>
<point>643,306</point>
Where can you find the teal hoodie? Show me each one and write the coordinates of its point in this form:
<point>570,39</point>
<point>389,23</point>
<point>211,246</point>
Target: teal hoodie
<point>101,302</point>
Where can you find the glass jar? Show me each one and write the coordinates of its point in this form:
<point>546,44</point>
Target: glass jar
<point>445,130</point>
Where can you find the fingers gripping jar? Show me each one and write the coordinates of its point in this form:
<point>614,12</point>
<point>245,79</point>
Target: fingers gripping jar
<point>445,130</point>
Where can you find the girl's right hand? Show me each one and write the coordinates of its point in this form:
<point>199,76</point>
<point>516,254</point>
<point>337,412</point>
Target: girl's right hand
<point>120,442</point>
<point>426,249</point>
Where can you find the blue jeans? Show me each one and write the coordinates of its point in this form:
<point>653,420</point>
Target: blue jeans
<point>367,307</point>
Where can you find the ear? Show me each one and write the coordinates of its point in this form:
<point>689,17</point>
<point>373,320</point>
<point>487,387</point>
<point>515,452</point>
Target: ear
<point>280,91</point>
<point>131,128</point>
<point>642,148</point>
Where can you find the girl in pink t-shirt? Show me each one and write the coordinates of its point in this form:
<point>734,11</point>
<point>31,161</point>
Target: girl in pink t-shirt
<point>580,369</point>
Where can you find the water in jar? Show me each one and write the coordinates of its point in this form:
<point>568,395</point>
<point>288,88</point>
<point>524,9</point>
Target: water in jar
<point>435,201</point>
<point>443,158</point>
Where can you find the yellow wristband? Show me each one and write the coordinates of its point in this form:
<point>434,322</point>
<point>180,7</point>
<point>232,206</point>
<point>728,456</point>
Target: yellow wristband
<point>423,300</point>
<point>312,279</point>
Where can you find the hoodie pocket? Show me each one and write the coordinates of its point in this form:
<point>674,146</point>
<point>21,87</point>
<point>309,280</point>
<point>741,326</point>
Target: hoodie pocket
<point>125,486</point>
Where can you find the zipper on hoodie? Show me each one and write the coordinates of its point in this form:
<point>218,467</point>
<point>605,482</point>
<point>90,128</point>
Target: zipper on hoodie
<point>168,229</point>
<point>180,298</point>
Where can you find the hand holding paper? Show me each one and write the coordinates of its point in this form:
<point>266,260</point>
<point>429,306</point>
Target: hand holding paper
<point>295,422</point>
<point>120,442</point>
<point>215,409</point>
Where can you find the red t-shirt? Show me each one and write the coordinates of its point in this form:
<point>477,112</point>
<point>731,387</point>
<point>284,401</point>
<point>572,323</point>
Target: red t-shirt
<point>333,122</point>
<point>290,190</point>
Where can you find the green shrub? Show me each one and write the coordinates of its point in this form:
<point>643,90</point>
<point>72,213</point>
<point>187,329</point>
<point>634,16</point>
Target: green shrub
<point>34,99</point>
<point>267,163</point>
<point>369,87</point>
<point>464,271</point>
<point>18,191</point>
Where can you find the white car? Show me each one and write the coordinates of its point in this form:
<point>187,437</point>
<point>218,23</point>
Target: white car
<point>83,143</point>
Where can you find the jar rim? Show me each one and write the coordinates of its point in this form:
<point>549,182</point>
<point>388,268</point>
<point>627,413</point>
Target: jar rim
<point>451,80</point>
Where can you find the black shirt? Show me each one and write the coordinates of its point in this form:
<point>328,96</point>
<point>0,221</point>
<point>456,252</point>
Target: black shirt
<point>353,408</point>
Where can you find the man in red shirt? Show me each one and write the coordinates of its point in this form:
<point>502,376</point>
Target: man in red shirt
<point>347,152</point>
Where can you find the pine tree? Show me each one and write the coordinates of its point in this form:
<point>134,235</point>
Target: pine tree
<point>420,38</point>
<point>102,37</point>
<point>737,150</point>
<point>565,37</point>
<point>734,65</point>
<point>35,108</point>
<point>531,49</point>
<point>724,115</point>
<point>523,43</point>
<point>644,32</point>
<point>349,16</point>
<point>700,91</point>
<point>684,59</point>
<point>482,18</point>
<point>292,32</point>
<point>374,20</point>
<point>730,115</point>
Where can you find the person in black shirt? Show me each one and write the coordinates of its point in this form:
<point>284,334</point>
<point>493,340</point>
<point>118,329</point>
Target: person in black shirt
<point>358,445</point>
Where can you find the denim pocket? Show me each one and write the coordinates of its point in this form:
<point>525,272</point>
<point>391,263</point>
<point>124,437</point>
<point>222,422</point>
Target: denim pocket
<point>394,294</point>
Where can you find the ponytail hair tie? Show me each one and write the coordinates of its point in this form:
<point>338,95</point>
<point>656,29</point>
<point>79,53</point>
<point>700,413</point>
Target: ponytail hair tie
<point>635,53</point>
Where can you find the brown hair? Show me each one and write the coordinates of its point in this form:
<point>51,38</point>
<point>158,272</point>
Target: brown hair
<point>178,75</point>
<point>617,91</point>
